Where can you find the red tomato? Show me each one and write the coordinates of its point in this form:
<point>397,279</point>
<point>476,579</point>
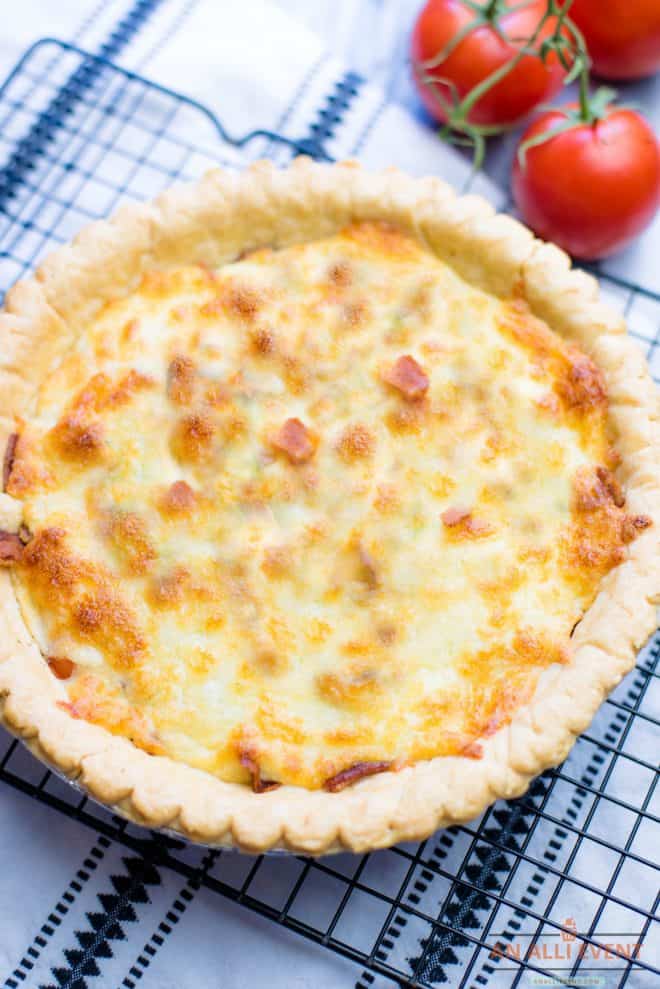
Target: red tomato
<point>480,53</point>
<point>591,189</point>
<point>623,36</point>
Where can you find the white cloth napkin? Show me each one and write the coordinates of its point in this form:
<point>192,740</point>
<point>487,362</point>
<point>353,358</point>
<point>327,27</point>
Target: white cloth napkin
<point>78,910</point>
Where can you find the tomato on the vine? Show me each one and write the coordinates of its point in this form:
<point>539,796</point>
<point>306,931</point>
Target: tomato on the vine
<point>590,188</point>
<point>477,44</point>
<point>622,36</point>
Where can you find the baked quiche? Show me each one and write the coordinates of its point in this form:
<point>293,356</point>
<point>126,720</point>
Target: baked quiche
<point>330,508</point>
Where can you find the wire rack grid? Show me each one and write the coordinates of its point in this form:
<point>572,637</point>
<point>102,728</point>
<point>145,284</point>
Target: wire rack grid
<point>560,884</point>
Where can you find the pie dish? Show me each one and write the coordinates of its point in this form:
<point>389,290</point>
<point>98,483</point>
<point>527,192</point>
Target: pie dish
<point>330,512</point>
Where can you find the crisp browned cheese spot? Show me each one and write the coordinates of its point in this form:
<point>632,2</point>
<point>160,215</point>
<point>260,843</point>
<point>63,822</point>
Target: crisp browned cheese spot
<point>295,440</point>
<point>193,437</point>
<point>169,590</point>
<point>600,528</point>
<point>357,442</point>
<point>181,377</point>
<point>296,374</point>
<point>127,533</point>
<point>263,341</point>
<point>130,330</point>
<point>94,700</point>
<point>407,377</point>
<point>277,561</point>
<point>340,274</point>
<point>582,386</point>
<point>126,389</point>
<point>101,617</point>
<point>80,439</point>
<point>238,301</point>
<point>352,685</point>
<point>244,302</point>
<point>47,562</point>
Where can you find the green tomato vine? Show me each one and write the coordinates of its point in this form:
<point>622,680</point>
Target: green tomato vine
<point>566,42</point>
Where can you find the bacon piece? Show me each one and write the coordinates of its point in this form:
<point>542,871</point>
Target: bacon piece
<point>179,499</point>
<point>454,516</point>
<point>11,548</point>
<point>473,750</point>
<point>478,527</point>
<point>61,667</point>
<point>632,525</point>
<point>611,485</point>
<point>259,785</point>
<point>8,462</point>
<point>295,440</point>
<point>408,377</point>
<point>369,568</point>
<point>461,520</point>
<point>596,490</point>
<point>354,773</point>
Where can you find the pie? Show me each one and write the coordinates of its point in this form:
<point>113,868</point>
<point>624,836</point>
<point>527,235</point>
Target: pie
<point>330,508</point>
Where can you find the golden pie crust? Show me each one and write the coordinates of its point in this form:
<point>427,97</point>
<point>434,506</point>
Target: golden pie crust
<point>211,224</point>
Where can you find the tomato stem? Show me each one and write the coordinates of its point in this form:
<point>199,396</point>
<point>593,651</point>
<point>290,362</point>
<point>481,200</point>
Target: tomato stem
<point>585,110</point>
<point>566,42</point>
<point>493,9</point>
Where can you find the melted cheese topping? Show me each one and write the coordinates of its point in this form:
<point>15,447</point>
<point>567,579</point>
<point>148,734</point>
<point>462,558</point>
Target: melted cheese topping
<point>325,511</point>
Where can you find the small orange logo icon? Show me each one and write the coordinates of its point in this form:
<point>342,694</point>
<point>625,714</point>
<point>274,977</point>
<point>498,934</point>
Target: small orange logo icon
<point>570,934</point>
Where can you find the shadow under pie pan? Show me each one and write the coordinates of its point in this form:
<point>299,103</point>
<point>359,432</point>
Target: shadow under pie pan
<point>330,508</point>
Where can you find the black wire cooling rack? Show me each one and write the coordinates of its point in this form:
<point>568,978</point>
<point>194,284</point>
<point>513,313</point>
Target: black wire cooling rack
<point>559,886</point>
